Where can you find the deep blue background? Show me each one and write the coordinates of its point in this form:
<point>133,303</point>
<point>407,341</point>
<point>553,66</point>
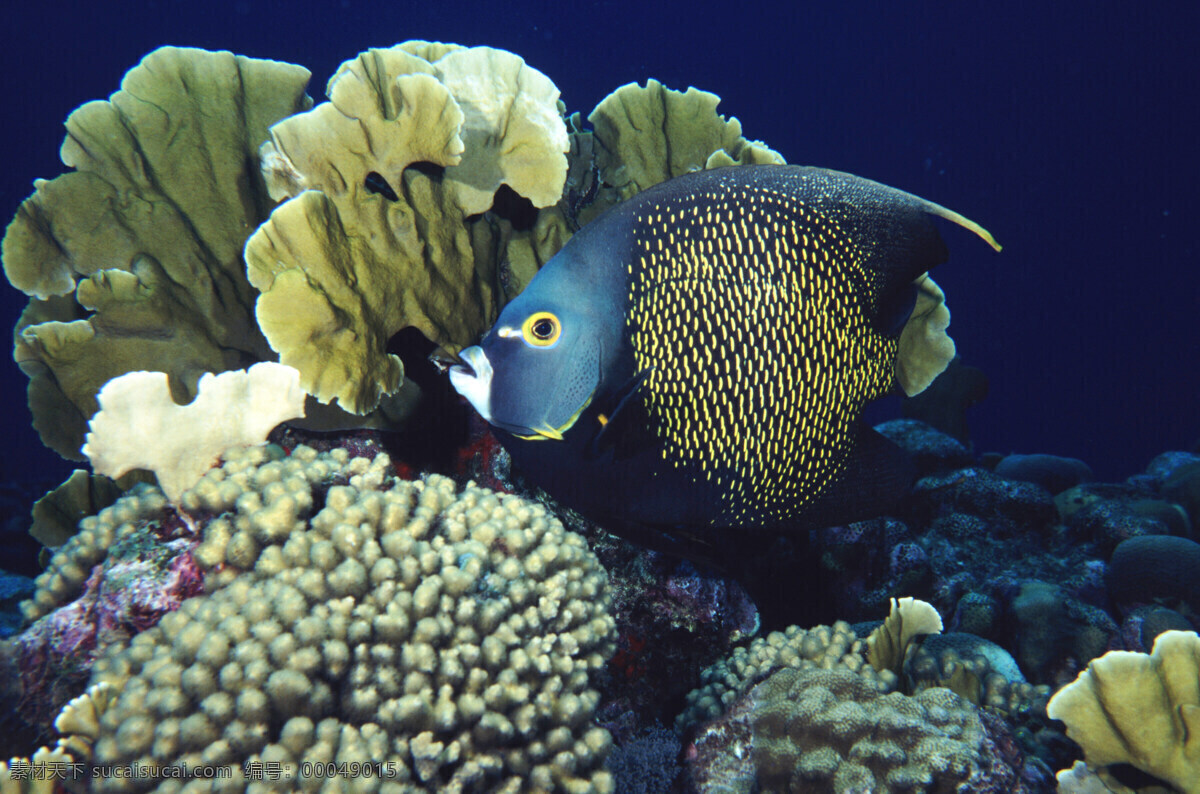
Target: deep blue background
<point>1070,130</point>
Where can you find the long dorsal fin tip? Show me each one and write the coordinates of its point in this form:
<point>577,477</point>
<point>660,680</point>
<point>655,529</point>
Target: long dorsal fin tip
<point>968,224</point>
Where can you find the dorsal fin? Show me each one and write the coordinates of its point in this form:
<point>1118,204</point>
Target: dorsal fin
<point>966,223</point>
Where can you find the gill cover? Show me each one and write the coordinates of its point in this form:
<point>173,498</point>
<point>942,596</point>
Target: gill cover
<point>554,345</point>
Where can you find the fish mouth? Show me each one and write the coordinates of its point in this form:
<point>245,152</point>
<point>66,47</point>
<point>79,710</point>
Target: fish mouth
<point>472,378</point>
<point>443,359</point>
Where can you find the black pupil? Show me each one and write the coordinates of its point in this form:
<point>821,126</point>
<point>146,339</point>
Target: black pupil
<point>543,328</point>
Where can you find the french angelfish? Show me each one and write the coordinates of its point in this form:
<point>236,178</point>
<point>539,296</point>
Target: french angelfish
<point>700,355</point>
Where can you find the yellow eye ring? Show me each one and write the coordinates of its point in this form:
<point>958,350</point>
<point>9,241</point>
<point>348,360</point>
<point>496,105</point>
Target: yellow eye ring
<point>541,329</point>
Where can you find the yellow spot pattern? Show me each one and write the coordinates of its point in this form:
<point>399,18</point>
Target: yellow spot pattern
<point>750,308</point>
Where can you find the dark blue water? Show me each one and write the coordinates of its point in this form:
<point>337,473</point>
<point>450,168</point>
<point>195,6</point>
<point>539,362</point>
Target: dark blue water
<point>1069,130</point>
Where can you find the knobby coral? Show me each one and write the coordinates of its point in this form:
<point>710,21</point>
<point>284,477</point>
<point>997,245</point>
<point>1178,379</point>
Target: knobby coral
<point>447,635</point>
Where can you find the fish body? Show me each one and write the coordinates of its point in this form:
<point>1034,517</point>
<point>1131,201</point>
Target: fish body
<point>700,355</point>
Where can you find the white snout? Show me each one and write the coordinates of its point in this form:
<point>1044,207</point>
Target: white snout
<point>475,385</point>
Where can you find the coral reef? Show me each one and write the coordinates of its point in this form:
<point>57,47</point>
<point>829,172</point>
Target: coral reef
<point>1130,708</point>
<point>822,646</point>
<point>888,646</point>
<point>351,616</point>
<point>319,601</point>
<point>931,450</point>
<point>1055,474</point>
<point>646,135</point>
<point>125,568</point>
<point>831,730</point>
<point>975,669</point>
<point>56,515</point>
<point>133,260</point>
<point>139,426</point>
<point>646,763</point>
<point>364,245</point>
<point>1149,567</point>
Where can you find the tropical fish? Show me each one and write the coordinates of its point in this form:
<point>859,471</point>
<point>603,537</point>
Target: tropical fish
<point>700,355</point>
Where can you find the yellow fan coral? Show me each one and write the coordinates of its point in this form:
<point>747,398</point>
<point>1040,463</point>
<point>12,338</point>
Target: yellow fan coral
<point>1139,709</point>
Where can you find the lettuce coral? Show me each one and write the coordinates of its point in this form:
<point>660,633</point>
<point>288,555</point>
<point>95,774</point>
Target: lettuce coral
<point>139,426</point>
<point>366,245</point>
<point>133,260</point>
<point>646,135</point>
<point>425,193</point>
<point>1139,709</point>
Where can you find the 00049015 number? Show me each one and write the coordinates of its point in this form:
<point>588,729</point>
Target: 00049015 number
<point>349,769</point>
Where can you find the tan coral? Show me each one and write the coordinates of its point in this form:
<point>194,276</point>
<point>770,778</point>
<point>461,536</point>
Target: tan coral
<point>139,426</point>
<point>1139,709</point>
<point>367,246</point>
<point>133,260</point>
<point>79,721</point>
<point>971,668</point>
<point>43,773</point>
<point>909,618</point>
<point>826,647</point>
<point>646,135</point>
<point>830,730</point>
<point>513,131</point>
<point>447,634</point>
<point>925,347</point>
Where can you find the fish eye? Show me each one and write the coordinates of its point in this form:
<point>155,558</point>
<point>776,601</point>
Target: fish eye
<point>541,329</point>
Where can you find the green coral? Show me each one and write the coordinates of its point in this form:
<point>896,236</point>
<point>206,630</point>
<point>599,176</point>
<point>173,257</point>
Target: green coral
<point>133,260</point>
<point>646,135</point>
<point>56,515</point>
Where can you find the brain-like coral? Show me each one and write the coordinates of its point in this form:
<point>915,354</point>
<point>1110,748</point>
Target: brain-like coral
<point>830,730</point>
<point>818,730</point>
<point>822,646</point>
<point>133,260</point>
<point>445,636</point>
